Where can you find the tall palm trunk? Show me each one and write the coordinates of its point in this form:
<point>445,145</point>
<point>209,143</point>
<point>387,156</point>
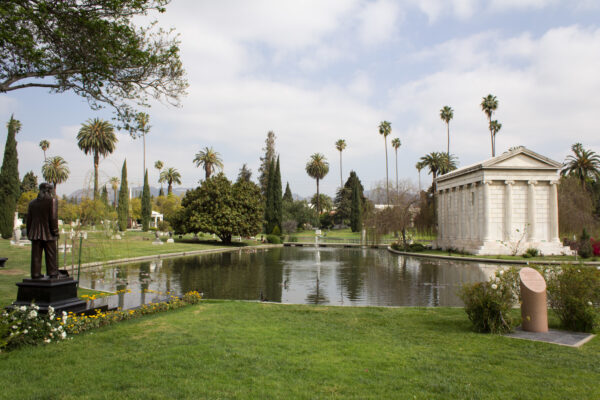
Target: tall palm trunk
<point>341,177</point>
<point>144,140</point>
<point>206,171</point>
<point>448,136</point>
<point>96,162</point>
<point>318,205</point>
<point>491,135</point>
<point>387,181</point>
<point>397,189</point>
<point>170,188</point>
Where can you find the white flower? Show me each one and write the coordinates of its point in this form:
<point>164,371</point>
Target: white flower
<point>51,317</point>
<point>22,308</point>
<point>48,323</point>
<point>35,307</point>
<point>25,331</point>
<point>47,340</point>
<point>63,335</point>
<point>64,314</point>
<point>32,314</point>
<point>50,310</point>
<point>15,327</point>
<point>494,286</point>
<point>589,303</point>
<point>60,328</point>
<point>598,268</point>
<point>501,272</point>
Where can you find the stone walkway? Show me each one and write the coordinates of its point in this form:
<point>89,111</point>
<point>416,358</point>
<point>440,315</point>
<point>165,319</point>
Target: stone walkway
<point>563,338</point>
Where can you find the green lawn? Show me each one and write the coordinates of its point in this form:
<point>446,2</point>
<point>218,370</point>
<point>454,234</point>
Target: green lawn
<point>348,234</point>
<point>96,248</point>
<point>228,349</point>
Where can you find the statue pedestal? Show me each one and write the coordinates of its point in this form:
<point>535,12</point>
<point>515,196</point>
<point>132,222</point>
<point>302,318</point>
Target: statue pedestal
<point>60,293</point>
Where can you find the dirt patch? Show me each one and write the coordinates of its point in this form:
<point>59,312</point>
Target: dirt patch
<point>12,271</point>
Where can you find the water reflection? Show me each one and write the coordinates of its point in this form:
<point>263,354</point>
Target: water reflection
<point>304,275</point>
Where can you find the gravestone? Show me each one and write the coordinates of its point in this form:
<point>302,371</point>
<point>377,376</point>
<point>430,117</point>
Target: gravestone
<point>534,309</point>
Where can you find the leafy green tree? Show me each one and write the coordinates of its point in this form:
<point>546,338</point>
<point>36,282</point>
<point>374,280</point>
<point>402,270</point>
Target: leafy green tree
<point>29,182</point>
<point>343,198</point>
<point>92,48</point>
<point>325,202</point>
<point>146,205</point>
<point>356,209</point>
<point>123,207</point>
<point>269,149</point>
<point>68,211</point>
<point>385,129</point>
<point>168,206</point>
<point>55,171</point>
<point>98,138</point>
<point>340,145</point>
<point>287,195</point>
<point>210,160</point>
<point>170,176</point>
<point>9,180</point>
<point>446,114</point>
<point>317,167</point>
<point>23,202</point>
<point>114,184</point>
<point>245,173</point>
<point>583,164</point>
<point>44,145</point>
<point>396,145</point>
<point>299,213</point>
<point>218,207</point>
<point>489,104</point>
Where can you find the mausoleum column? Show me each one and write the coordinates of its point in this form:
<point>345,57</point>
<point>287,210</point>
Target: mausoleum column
<point>486,223</point>
<point>441,211</point>
<point>531,234</point>
<point>459,204</point>
<point>508,207</point>
<point>553,211</point>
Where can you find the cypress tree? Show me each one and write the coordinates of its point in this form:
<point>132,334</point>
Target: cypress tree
<point>146,207</point>
<point>123,207</point>
<point>287,196</point>
<point>161,192</point>
<point>270,203</point>
<point>277,197</point>
<point>356,209</point>
<point>104,196</point>
<point>9,180</point>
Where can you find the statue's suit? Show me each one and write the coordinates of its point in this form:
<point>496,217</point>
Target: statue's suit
<point>42,230</point>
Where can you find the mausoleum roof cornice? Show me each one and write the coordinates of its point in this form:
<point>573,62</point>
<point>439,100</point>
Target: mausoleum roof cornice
<point>523,160</point>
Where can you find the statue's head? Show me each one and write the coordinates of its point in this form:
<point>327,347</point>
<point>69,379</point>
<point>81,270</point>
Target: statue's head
<point>46,190</point>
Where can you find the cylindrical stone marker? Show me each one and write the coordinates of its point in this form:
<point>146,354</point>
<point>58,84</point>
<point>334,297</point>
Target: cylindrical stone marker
<point>534,310</point>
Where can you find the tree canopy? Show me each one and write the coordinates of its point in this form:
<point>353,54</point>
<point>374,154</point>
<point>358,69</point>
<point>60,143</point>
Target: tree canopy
<point>91,48</point>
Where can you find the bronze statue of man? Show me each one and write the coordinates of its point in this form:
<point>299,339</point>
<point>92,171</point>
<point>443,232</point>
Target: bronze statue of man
<point>42,230</point>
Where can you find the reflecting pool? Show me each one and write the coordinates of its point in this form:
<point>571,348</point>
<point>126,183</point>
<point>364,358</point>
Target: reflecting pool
<point>299,275</point>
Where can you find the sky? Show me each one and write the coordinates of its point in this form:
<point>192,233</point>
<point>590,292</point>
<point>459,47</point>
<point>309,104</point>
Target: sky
<point>316,71</point>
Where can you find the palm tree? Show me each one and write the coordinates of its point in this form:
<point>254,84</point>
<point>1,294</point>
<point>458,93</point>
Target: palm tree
<point>317,167</point>
<point>432,161</point>
<point>170,175</point>
<point>55,171</point>
<point>385,128</point>
<point>97,137</point>
<point>114,183</point>
<point>159,166</point>
<point>495,126</point>
<point>446,114</point>
<point>396,144</point>
<point>210,160</point>
<point>142,120</point>
<point>340,145</point>
<point>489,104</point>
<point>44,145</point>
<point>583,164</point>
<point>447,163</point>
<point>419,166</point>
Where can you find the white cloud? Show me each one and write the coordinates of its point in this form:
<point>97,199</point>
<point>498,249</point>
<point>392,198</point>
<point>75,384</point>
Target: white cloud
<point>378,21</point>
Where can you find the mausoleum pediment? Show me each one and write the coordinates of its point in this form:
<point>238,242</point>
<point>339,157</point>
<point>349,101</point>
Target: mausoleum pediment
<point>521,160</point>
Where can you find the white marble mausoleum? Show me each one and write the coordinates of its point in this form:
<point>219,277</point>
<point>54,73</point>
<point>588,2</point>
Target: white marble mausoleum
<point>505,204</point>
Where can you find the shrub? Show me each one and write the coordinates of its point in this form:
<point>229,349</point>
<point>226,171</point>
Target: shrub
<point>164,226</point>
<point>488,304</point>
<point>276,231</point>
<point>192,297</point>
<point>274,239</point>
<point>25,325</point>
<point>416,247</point>
<point>574,295</point>
<point>585,249</point>
<point>595,247</point>
<point>532,252</point>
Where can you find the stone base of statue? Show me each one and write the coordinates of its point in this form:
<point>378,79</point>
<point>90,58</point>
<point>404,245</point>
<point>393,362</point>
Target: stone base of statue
<point>60,293</point>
